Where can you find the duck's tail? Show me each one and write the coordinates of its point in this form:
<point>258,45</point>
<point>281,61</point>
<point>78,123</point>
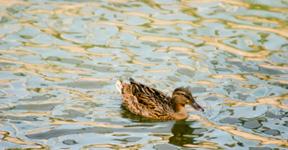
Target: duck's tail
<point>119,86</point>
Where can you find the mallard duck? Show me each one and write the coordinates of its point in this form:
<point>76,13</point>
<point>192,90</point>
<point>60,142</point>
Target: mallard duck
<point>151,103</point>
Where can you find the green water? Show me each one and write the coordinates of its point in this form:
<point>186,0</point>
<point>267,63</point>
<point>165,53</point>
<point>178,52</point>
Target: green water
<point>59,61</point>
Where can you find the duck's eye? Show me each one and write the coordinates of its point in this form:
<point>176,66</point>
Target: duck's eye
<point>186,96</point>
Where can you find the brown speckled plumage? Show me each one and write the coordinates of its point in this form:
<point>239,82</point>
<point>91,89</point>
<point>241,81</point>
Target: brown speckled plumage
<point>151,103</point>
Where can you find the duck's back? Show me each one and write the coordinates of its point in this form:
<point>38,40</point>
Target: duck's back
<point>146,101</point>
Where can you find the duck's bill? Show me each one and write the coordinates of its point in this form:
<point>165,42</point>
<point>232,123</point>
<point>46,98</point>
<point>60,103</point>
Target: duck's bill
<point>196,106</point>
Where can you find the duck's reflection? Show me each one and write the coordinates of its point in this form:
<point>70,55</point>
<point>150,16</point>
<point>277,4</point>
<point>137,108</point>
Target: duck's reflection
<point>183,133</point>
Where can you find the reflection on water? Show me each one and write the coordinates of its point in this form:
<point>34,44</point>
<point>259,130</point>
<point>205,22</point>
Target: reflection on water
<point>184,134</point>
<point>59,61</point>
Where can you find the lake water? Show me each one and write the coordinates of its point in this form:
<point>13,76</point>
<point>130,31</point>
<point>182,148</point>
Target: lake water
<point>59,61</point>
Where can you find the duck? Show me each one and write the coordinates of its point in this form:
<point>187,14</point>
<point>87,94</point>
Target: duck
<point>151,103</point>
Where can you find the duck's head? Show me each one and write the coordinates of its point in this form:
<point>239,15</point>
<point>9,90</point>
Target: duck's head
<point>182,96</point>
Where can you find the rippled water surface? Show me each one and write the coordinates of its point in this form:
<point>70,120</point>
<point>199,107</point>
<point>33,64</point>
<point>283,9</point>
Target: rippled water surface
<point>59,61</point>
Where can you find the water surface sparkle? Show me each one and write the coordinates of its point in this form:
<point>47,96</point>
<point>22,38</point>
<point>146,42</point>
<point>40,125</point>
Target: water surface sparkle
<point>59,61</point>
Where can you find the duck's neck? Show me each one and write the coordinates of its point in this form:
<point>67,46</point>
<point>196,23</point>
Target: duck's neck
<point>180,112</point>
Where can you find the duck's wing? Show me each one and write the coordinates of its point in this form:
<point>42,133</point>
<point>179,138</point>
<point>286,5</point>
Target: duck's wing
<point>145,92</point>
<point>147,101</point>
<point>147,107</point>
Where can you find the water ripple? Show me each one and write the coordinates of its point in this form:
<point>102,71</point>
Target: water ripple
<point>59,61</point>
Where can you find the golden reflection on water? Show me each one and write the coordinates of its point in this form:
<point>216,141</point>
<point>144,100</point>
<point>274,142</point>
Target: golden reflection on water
<point>206,145</point>
<point>217,43</point>
<point>281,31</point>
<point>94,124</point>
<point>19,141</point>
<point>235,131</point>
<point>272,100</point>
<point>113,146</point>
<point>229,76</point>
<point>59,64</point>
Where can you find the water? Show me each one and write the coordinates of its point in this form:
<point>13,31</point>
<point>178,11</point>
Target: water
<point>59,61</point>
